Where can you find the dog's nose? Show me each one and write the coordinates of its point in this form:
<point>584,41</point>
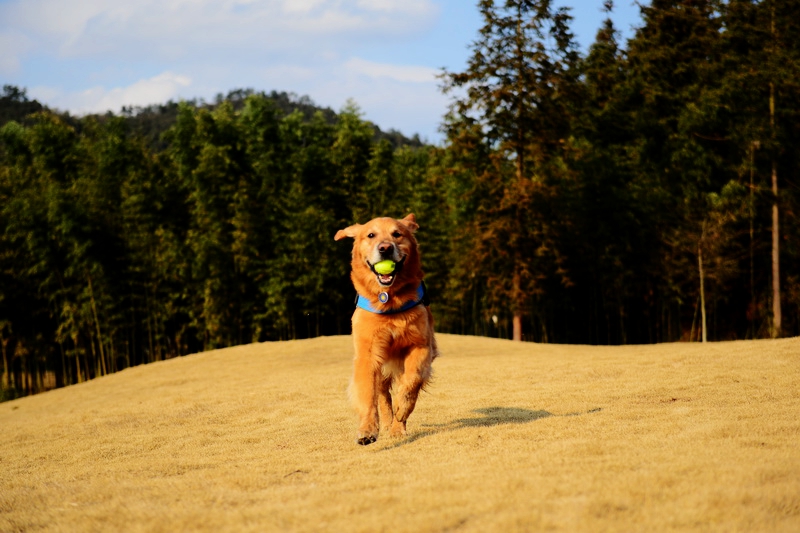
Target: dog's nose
<point>386,249</point>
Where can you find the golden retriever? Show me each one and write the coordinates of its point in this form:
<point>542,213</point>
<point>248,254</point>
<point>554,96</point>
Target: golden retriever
<point>392,326</point>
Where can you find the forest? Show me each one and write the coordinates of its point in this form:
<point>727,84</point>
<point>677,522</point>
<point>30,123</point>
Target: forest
<point>641,192</point>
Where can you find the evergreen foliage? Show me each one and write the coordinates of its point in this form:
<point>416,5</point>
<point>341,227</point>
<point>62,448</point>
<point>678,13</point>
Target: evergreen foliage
<point>518,87</point>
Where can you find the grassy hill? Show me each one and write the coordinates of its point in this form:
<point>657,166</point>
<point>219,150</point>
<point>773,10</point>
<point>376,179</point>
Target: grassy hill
<point>510,437</point>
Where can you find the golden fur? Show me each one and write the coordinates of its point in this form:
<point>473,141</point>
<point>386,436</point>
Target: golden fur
<point>393,352</point>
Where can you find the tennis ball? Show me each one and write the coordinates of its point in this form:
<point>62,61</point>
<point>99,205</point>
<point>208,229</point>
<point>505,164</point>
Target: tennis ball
<point>384,267</point>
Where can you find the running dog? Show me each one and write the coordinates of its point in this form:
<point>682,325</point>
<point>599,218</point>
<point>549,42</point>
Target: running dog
<point>392,325</point>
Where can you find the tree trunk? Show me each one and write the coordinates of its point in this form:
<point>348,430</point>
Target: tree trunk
<point>702,294</point>
<point>78,370</point>
<point>516,289</point>
<point>517,307</point>
<point>103,366</point>
<point>64,369</point>
<point>776,278</point>
<point>6,380</point>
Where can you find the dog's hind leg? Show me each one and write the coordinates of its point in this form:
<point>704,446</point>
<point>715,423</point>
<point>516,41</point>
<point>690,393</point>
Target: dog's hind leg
<point>385,403</point>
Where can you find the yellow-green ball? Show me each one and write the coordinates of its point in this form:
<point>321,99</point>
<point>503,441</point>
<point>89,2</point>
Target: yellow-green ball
<point>384,267</point>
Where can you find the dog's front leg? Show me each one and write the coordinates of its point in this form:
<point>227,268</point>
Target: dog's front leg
<point>417,372</point>
<point>365,398</point>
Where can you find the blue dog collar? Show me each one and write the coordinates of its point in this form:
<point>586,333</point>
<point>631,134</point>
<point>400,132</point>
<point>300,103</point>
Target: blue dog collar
<point>367,305</point>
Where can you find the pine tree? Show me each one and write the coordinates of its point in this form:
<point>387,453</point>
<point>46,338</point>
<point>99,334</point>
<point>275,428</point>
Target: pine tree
<point>516,88</point>
<point>680,143</point>
<point>610,226</point>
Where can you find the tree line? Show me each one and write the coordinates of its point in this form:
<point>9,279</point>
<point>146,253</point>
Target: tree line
<point>645,192</point>
<point>641,192</point>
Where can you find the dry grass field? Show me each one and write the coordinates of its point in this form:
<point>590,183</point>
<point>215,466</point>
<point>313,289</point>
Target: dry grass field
<point>510,437</point>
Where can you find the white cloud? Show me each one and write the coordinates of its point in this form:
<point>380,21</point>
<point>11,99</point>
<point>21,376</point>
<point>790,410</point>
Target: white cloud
<point>411,74</point>
<point>401,105</point>
<point>156,90</point>
<point>13,46</point>
<point>147,29</point>
<point>89,53</point>
<point>301,6</point>
<point>49,22</point>
<point>410,6</point>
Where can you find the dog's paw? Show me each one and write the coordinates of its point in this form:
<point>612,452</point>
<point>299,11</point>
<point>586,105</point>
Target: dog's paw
<point>398,429</point>
<point>369,439</point>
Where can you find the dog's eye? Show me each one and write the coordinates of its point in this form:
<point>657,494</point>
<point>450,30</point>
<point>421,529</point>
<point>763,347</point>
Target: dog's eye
<point>371,236</point>
<point>397,234</point>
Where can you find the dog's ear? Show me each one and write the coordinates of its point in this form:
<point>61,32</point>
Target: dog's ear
<point>411,222</point>
<point>350,231</point>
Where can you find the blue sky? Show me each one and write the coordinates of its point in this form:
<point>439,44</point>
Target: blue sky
<point>96,55</point>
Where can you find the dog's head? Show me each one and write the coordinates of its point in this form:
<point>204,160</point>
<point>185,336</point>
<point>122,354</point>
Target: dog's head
<point>383,239</point>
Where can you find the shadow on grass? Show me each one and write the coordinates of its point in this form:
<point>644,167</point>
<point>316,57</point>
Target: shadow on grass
<point>495,416</point>
<point>487,417</point>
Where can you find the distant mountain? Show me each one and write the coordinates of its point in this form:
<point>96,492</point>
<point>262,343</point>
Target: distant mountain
<point>152,121</point>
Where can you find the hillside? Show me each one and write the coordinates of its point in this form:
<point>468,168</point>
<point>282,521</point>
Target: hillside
<point>510,437</point>
<point>151,122</point>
